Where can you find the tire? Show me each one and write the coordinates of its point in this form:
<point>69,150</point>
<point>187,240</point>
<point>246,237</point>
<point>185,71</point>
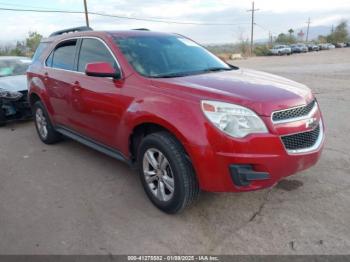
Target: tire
<point>175,167</point>
<point>44,127</point>
<point>2,117</point>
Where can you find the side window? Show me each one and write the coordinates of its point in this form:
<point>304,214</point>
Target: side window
<point>41,47</point>
<point>93,50</point>
<point>49,60</point>
<point>64,54</point>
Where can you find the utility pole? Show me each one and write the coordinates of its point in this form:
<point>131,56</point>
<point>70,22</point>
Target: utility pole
<point>86,14</point>
<point>252,30</point>
<point>308,27</point>
<point>270,39</point>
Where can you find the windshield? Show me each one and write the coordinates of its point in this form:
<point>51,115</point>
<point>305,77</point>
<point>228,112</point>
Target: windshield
<point>168,56</point>
<point>13,67</point>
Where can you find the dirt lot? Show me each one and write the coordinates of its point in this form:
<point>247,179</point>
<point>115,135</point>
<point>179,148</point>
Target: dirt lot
<point>69,199</point>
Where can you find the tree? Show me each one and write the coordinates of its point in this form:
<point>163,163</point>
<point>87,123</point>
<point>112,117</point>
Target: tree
<point>285,39</point>
<point>25,47</point>
<point>243,47</point>
<point>33,40</point>
<point>19,50</point>
<point>291,32</point>
<point>339,34</point>
<point>322,39</point>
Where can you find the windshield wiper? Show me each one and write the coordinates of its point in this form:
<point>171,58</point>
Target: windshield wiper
<point>216,69</point>
<point>173,75</point>
<point>211,69</point>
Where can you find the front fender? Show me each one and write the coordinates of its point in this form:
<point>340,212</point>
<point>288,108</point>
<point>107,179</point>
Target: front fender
<point>183,118</point>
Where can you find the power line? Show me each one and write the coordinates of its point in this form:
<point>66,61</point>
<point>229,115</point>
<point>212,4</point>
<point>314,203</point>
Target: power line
<point>40,10</point>
<point>23,5</point>
<point>266,29</point>
<point>165,21</point>
<point>121,17</point>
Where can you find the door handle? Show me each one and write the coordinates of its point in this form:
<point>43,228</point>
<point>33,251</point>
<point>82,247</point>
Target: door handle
<point>46,76</point>
<point>76,86</point>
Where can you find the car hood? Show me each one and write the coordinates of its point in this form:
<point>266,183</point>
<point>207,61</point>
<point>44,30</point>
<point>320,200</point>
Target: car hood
<point>14,83</point>
<point>262,92</point>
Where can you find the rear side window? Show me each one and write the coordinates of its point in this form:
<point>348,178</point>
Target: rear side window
<point>93,50</point>
<point>49,60</point>
<point>39,51</point>
<point>64,55</point>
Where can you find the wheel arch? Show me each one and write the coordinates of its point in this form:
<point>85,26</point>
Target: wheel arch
<point>144,128</point>
<point>33,98</point>
<point>38,92</point>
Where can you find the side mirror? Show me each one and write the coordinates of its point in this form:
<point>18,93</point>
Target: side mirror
<point>102,69</point>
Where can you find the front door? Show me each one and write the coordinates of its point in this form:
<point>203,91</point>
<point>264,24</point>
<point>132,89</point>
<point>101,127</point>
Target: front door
<point>96,102</point>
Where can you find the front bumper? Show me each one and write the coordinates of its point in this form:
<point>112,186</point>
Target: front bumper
<point>15,109</point>
<point>263,154</point>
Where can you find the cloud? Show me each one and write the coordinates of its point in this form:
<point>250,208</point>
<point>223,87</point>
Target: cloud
<point>274,15</point>
<point>328,20</point>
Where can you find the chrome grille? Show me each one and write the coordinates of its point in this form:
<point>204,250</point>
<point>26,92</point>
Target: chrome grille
<point>293,112</point>
<point>301,140</point>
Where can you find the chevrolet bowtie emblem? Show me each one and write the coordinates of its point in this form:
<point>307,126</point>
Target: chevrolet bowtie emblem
<point>311,123</point>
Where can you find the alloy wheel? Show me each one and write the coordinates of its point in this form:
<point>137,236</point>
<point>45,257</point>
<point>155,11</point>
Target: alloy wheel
<point>41,123</point>
<point>158,174</point>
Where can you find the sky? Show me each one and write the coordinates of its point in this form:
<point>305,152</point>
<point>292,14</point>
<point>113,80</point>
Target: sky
<point>274,15</point>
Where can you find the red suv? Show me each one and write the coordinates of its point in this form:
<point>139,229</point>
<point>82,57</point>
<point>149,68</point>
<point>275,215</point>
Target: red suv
<point>161,102</point>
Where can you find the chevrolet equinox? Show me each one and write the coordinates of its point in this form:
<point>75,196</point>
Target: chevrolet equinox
<point>184,118</point>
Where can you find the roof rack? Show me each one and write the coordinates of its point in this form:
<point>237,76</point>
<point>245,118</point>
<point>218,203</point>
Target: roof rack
<point>142,29</point>
<point>71,30</point>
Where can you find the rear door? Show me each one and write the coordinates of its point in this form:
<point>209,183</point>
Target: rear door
<point>59,76</point>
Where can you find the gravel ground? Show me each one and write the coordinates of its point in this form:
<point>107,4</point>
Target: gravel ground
<point>69,199</point>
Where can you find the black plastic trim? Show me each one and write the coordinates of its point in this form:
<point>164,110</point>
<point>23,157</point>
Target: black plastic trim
<point>141,29</point>
<point>243,175</point>
<point>71,30</point>
<point>92,144</point>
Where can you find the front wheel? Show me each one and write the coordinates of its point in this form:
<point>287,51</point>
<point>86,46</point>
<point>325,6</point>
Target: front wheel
<point>166,173</point>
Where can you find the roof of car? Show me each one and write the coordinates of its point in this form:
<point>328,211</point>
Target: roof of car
<point>137,32</point>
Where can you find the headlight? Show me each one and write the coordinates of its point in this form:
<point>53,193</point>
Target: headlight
<point>10,95</point>
<point>236,121</point>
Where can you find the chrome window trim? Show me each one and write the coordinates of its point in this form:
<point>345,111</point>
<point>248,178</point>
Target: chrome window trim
<point>82,37</point>
<point>308,149</point>
<point>294,119</point>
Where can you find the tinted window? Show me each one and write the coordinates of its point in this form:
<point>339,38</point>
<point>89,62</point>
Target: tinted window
<point>93,50</point>
<point>168,56</point>
<point>39,51</point>
<point>63,56</point>
<point>49,60</point>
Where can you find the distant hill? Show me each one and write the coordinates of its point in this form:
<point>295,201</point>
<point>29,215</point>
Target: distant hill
<point>315,31</point>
